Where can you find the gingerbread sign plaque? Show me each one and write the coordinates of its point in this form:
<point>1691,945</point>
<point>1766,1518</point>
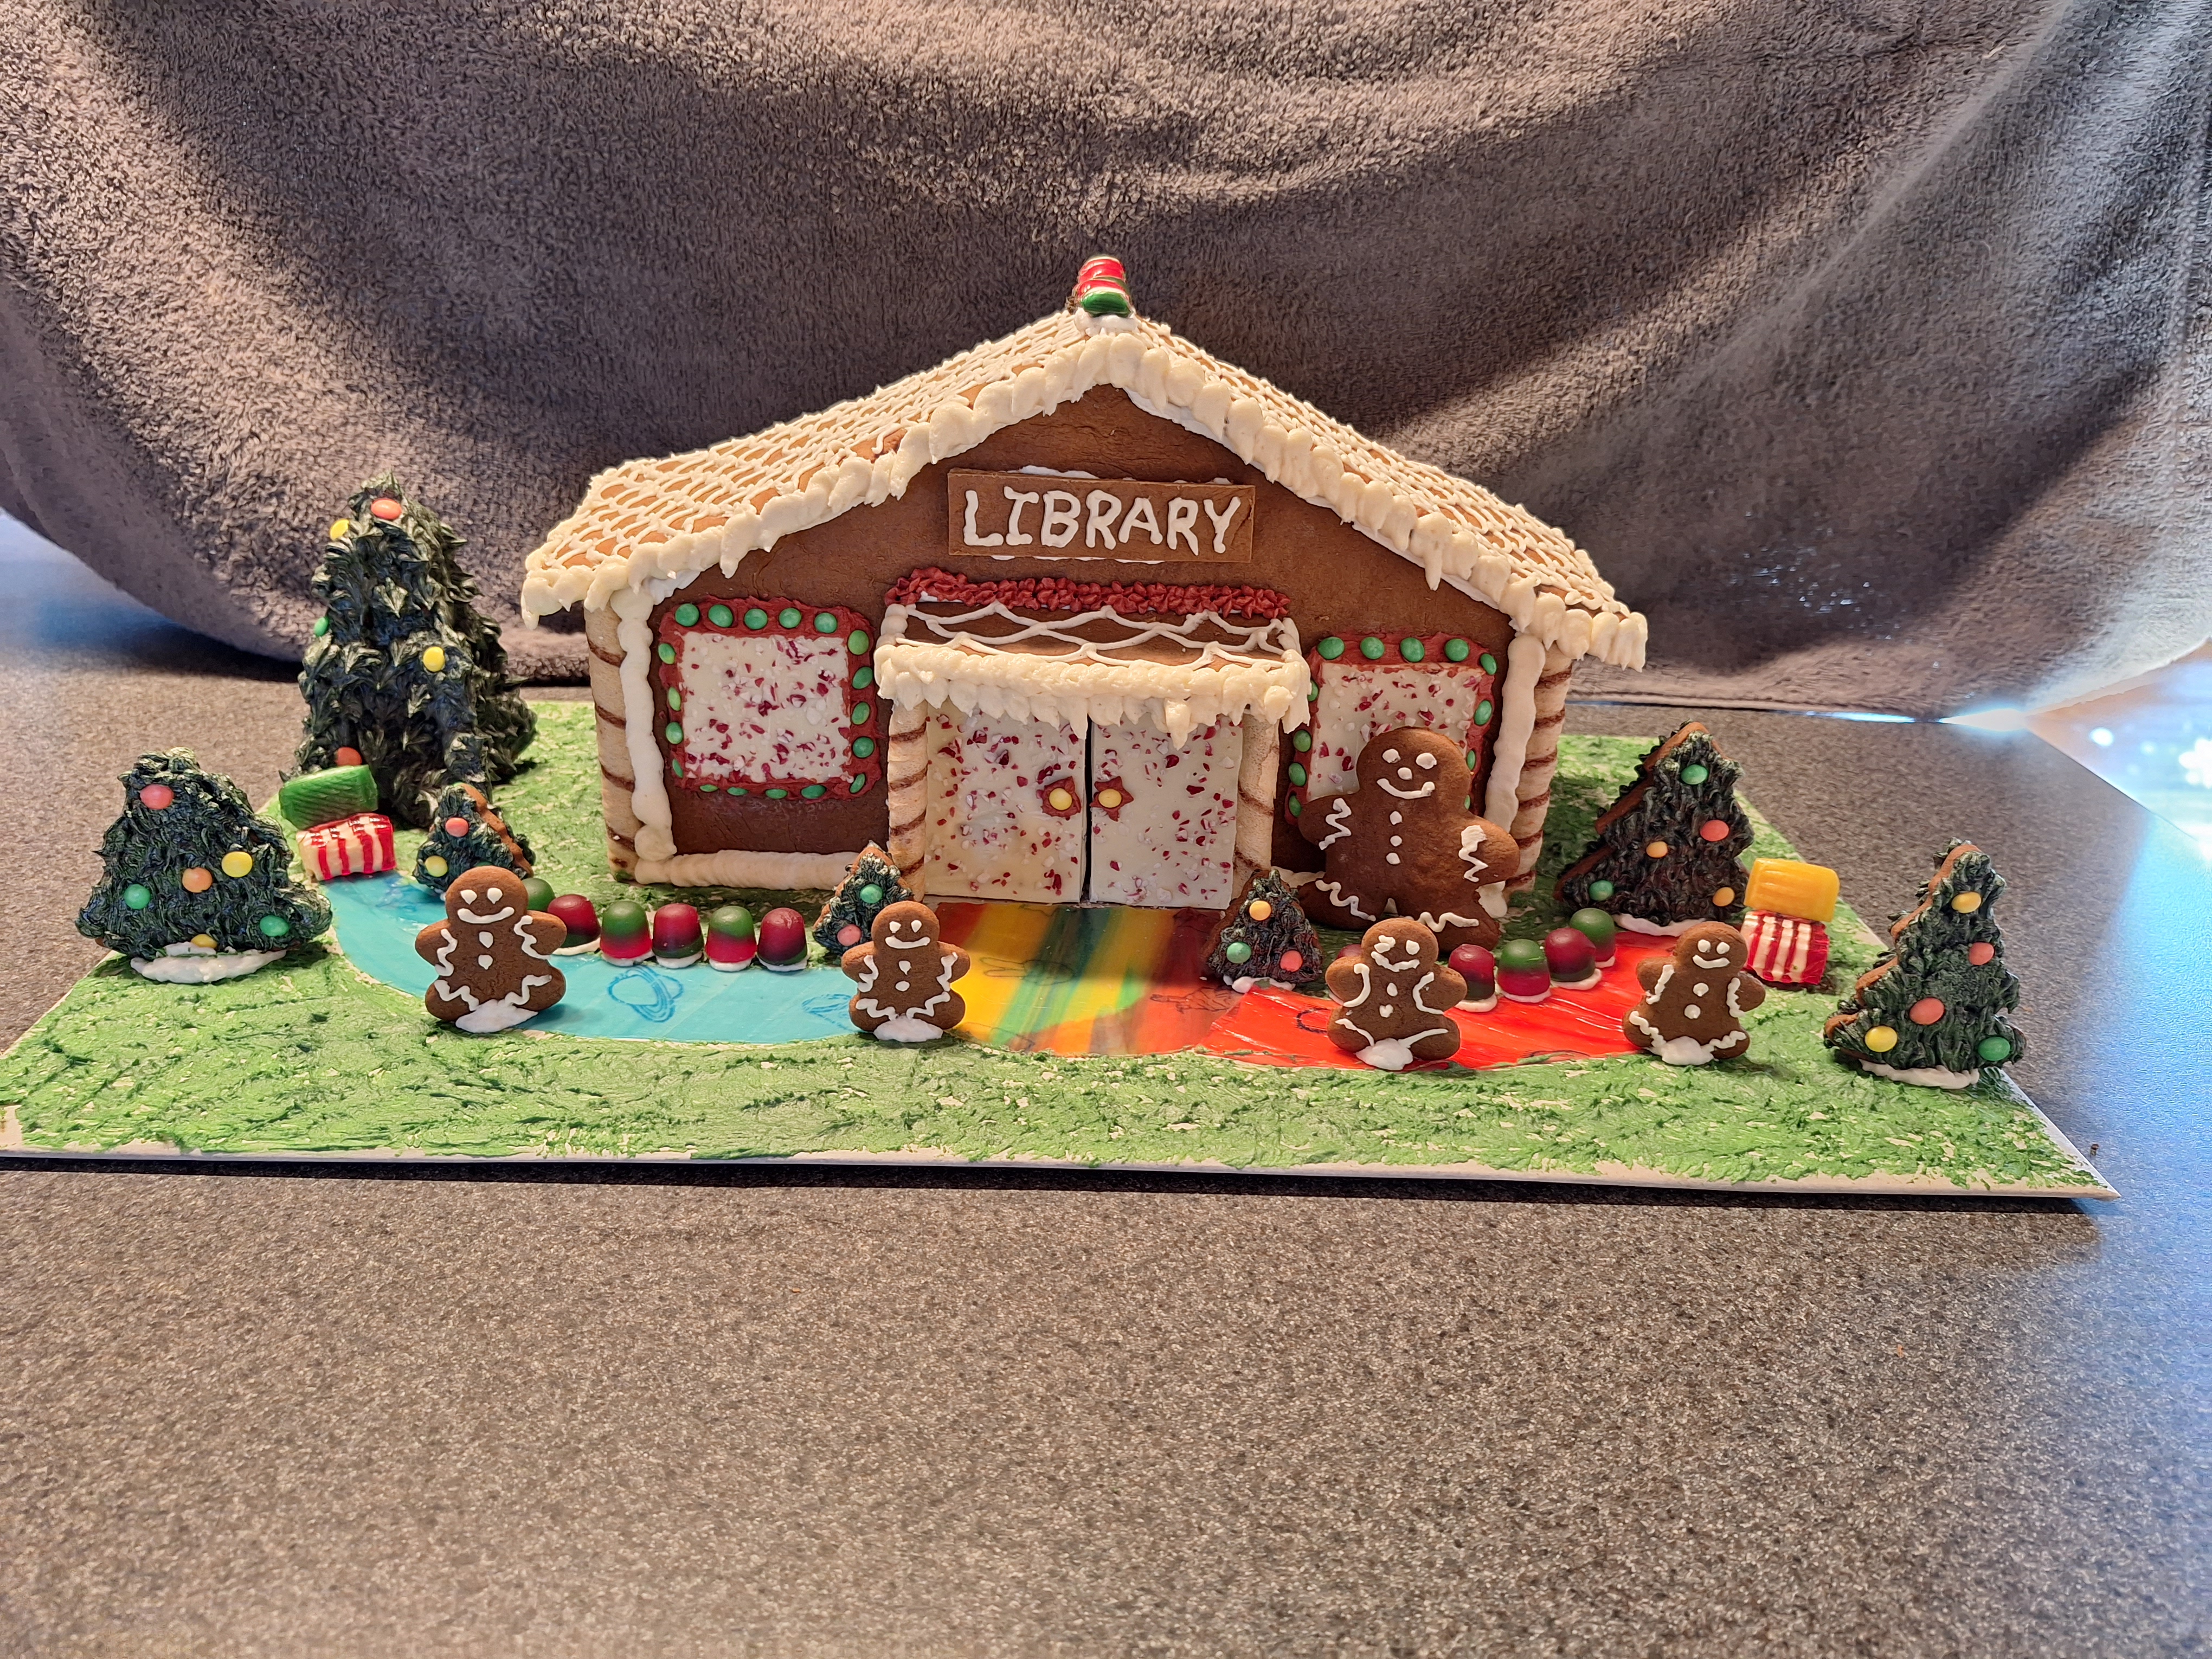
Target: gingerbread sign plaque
<point>1042,515</point>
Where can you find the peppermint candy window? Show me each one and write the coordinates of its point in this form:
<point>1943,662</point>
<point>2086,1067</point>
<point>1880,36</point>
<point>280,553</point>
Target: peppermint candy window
<point>768,697</point>
<point>1439,681</point>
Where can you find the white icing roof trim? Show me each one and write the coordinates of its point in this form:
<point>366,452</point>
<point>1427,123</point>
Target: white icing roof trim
<point>665,521</point>
<point>1083,680</point>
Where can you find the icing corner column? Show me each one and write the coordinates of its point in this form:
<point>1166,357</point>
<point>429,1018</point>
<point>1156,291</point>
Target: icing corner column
<point>1532,797</point>
<point>906,780</point>
<point>1255,801</point>
<point>617,782</point>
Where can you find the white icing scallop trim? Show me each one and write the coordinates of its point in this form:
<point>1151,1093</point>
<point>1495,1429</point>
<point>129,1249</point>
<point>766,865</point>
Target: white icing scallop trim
<point>1159,374</point>
<point>735,868</point>
<point>1226,684</point>
<point>1516,720</point>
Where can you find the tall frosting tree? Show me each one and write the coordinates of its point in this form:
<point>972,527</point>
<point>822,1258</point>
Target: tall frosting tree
<point>1668,852</point>
<point>196,887</point>
<point>1932,1010</point>
<point>402,675</point>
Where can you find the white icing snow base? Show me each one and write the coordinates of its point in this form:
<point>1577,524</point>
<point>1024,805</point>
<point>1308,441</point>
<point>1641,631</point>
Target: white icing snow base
<point>192,964</point>
<point>1483,1007</point>
<point>495,1016</point>
<point>1928,1076</point>
<point>906,1028</point>
<point>1391,1054</point>
<point>1686,1051</point>
<point>1637,925</point>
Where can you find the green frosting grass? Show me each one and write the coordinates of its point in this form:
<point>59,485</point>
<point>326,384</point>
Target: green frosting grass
<point>309,1056</point>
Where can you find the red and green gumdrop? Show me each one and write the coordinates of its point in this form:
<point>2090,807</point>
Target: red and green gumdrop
<point>625,932</point>
<point>1597,927</point>
<point>1478,968</point>
<point>1523,974</point>
<point>1570,957</point>
<point>677,935</point>
<point>730,943</point>
<point>573,912</point>
<point>783,940</point>
<point>537,892</point>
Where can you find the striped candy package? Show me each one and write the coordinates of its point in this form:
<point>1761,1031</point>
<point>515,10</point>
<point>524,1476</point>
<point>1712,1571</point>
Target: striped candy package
<point>1785,949</point>
<point>356,845</point>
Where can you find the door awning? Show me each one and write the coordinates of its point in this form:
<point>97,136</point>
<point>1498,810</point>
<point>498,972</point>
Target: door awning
<point>1120,654</point>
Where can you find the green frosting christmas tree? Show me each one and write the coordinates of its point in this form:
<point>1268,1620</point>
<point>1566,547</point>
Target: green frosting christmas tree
<point>466,831</point>
<point>197,888</point>
<point>1932,1010</point>
<point>1266,939</point>
<point>402,675</point>
<point>1668,850</point>
<point>849,914</point>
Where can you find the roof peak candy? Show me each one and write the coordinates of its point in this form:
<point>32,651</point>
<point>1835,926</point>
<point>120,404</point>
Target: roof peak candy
<point>650,526</point>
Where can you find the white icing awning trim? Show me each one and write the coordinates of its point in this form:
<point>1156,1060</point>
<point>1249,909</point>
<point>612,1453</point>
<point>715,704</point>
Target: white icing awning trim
<point>662,522</point>
<point>1179,674</point>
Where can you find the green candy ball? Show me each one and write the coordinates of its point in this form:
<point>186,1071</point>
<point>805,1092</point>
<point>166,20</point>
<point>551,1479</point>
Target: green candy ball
<point>1237,951</point>
<point>1330,648</point>
<point>275,926</point>
<point>1994,1050</point>
<point>1601,889</point>
<point>137,896</point>
<point>686,614</point>
<point>871,893</point>
<point>1694,773</point>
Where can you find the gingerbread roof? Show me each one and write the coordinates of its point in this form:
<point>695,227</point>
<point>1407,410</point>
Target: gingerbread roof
<point>657,524</point>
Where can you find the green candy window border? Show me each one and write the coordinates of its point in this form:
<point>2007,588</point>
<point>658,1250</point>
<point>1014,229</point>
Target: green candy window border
<point>1373,653</point>
<point>752,617</point>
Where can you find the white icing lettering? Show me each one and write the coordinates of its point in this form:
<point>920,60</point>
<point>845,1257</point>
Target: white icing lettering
<point>1183,521</point>
<point>1141,516</point>
<point>1062,513</point>
<point>970,534</point>
<point>1104,509</point>
<point>1016,537</point>
<point>1221,522</point>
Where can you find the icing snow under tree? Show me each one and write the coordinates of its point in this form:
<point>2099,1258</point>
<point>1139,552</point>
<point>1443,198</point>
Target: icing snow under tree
<point>402,669</point>
<point>197,888</point>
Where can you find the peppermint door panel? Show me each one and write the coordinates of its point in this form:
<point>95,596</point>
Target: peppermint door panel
<point>1006,809</point>
<point>1163,819</point>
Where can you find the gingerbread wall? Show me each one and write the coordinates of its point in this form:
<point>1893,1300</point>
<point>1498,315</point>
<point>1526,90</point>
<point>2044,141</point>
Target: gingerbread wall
<point>1338,580</point>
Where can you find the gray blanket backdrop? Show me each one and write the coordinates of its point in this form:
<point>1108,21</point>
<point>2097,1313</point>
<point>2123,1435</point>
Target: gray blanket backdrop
<point>1863,346</point>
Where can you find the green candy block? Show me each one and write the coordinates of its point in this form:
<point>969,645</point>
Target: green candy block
<point>324,796</point>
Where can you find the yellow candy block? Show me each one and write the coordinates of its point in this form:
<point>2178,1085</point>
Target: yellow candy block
<point>1787,888</point>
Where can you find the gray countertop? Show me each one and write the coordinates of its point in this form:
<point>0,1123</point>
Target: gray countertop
<point>296,1409</point>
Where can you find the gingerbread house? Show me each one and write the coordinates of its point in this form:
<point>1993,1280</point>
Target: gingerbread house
<point>1082,614</point>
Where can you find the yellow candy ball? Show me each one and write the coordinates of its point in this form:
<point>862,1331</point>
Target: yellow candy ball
<point>1723,897</point>
<point>434,659</point>
<point>1880,1040</point>
<point>1966,904</point>
<point>1259,909</point>
<point>236,865</point>
<point>340,529</point>
<point>1059,800</point>
<point>205,941</point>
<point>434,865</point>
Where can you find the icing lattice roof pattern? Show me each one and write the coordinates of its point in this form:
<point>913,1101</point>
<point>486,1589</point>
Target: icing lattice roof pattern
<point>655,524</point>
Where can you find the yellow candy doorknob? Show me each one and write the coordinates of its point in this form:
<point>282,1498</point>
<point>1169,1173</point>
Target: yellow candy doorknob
<point>434,659</point>
<point>236,865</point>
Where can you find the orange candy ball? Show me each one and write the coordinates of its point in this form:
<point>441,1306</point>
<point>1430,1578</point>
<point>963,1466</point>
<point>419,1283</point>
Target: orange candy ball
<point>1926,1011</point>
<point>1657,849</point>
<point>1982,954</point>
<point>1723,897</point>
<point>197,880</point>
<point>346,758</point>
<point>1259,909</point>
<point>157,797</point>
<point>457,827</point>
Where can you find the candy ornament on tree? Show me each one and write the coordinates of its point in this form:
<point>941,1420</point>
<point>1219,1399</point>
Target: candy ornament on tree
<point>402,675</point>
<point>1934,1009</point>
<point>1668,852</point>
<point>1265,940</point>
<point>197,888</point>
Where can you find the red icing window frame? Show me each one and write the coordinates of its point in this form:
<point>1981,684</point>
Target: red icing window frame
<point>854,632</point>
<point>1433,659</point>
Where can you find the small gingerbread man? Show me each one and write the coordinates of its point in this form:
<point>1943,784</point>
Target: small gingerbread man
<point>905,973</point>
<point>1392,997</point>
<point>1694,1003</point>
<point>491,953</point>
<point>1405,843</point>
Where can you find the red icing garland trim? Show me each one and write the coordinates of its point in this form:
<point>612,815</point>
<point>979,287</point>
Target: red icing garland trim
<point>933,586</point>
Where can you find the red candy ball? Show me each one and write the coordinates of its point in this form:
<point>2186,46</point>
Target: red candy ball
<point>848,935</point>
<point>1714,829</point>
<point>346,758</point>
<point>1291,962</point>
<point>1926,1011</point>
<point>783,938</point>
<point>457,828</point>
<point>157,797</point>
<point>574,912</point>
<point>1981,955</point>
<point>384,507</point>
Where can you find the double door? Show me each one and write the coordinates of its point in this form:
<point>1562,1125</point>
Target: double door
<point>1110,814</point>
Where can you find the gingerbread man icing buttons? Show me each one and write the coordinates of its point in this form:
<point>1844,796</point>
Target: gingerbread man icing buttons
<point>1405,843</point>
<point>1694,1003</point>
<point>905,973</point>
<point>1392,997</point>
<point>492,953</point>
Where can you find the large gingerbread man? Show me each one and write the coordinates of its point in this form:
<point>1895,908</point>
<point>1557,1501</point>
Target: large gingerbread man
<point>1406,843</point>
<point>905,973</point>
<point>492,953</point>
<point>1694,1002</point>
<point>1392,999</point>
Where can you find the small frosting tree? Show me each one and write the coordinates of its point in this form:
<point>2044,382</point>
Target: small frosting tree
<point>197,888</point>
<point>849,915</point>
<point>402,675</point>
<point>466,832</point>
<point>1266,939</point>
<point>1667,851</point>
<point>1932,1010</point>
